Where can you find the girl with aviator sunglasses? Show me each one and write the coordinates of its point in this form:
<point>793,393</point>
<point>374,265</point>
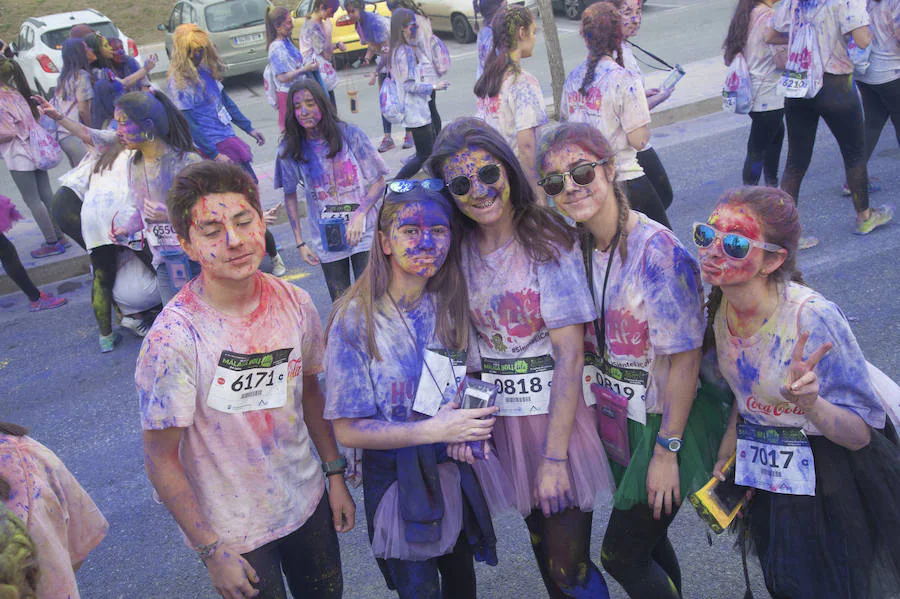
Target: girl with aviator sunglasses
<point>343,177</point>
<point>643,358</point>
<point>807,429</point>
<point>528,301</point>
<point>404,325</point>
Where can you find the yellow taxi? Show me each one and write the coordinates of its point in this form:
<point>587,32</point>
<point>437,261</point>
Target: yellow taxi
<point>343,30</point>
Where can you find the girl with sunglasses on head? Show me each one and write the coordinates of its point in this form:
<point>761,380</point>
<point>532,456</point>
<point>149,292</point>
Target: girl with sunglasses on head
<point>404,325</point>
<point>510,99</point>
<point>807,428</point>
<point>602,93</point>
<point>644,349</point>
<point>528,301</point>
<point>414,91</point>
<point>343,176</point>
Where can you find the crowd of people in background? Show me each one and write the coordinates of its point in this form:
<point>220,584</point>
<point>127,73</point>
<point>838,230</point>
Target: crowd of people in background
<point>517,331</point>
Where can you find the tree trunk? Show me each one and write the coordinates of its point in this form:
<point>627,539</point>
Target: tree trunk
<point>554,54</point>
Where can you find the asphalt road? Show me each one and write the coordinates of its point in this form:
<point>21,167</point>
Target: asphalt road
<point>82,404</point>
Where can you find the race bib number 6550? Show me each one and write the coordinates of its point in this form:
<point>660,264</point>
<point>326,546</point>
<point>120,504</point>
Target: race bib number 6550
<point>246,382</point>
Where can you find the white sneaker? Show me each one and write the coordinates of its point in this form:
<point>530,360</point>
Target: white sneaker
<point>136,325</point>
<point>278,267</point>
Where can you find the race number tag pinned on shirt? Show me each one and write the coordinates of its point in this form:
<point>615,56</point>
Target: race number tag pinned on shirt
<point>161,234</point>
<point>247,382</point>
<point>630,383</point>
<point>341,211</point>
<point>794,84</point>
<point>523,384</point>
<point>430,392</point>
<point>775,459</point>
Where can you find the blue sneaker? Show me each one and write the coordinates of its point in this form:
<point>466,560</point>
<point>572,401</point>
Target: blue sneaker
<point>109,342</point>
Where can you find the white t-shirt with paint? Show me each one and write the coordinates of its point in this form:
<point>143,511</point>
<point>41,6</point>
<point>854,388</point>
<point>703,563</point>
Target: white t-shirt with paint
<point>765,61</point>
<point>884,62</point>
<point>832,21</point>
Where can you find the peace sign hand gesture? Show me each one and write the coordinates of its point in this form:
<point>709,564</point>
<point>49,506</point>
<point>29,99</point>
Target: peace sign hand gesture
<point>803,384</point>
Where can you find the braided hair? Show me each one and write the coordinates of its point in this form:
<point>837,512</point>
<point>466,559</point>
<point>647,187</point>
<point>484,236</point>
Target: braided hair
<point>601,28</point>
<point>505,25</point>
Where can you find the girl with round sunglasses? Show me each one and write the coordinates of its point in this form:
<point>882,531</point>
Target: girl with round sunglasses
<point>404,325</point>
<point>601,92</point>
<point>509,98</point>
<point>807,429</point>
<point>343,177</point>
<point>528,302</point>
<point>643,354</point>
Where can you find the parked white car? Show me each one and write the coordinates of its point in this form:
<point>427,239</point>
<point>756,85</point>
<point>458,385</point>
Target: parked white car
<point>40,41</point>
<point>458,16</point>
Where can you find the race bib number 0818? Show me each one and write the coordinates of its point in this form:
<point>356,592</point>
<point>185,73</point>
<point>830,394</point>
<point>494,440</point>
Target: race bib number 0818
<point>523,384</point>
<point>247,382</point>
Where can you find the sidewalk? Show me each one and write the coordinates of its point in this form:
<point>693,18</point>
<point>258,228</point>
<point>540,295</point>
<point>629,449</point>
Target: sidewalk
<point>697,94</point>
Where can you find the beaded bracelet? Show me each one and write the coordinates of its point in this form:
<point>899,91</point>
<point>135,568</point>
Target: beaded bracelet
<point>207,551</point>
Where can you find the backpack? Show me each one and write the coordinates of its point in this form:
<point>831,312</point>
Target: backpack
<point>389,97</point>
<point>44,149</point>
<point>269,86</point>
<point>737,93</point>
<point>803,72</point>
<point>440,56</point>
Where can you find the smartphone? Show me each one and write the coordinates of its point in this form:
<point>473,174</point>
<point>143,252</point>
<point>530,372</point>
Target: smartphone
<point>334,234</point>
<point>476,393</point>
<point>719,502</point>
<point>673,78</point>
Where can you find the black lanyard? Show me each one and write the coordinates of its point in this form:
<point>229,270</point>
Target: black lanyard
<point>653,56</point>
<point>600,327</point>
<point>416,346</point>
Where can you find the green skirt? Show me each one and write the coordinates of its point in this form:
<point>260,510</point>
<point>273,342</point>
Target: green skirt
<point>699,450</point>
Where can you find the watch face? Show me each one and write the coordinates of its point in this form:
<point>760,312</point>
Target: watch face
<point>674,444</point>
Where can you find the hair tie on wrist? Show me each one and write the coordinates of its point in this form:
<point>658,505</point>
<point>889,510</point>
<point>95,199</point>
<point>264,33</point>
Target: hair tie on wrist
<point>302,243</point>
<point>557,460</point>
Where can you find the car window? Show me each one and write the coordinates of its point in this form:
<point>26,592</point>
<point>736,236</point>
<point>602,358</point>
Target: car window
<point>236,14</point>
<point>29,38</point>
<point>189,15</point>
<point>55,38</point>
<point>22,42</point>
<point>175,19</point>
<point>304,8</point>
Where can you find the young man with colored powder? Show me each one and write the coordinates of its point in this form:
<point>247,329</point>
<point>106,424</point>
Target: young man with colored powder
<point>230,402</point>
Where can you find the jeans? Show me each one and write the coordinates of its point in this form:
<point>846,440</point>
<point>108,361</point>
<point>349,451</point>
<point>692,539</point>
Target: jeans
<point>309,557</point>
<point>166,288</point>
<point>764,147</point>
<point>423,137</point>
<point>838,104</point>
<point>450,576</point>
<point>879,102</point>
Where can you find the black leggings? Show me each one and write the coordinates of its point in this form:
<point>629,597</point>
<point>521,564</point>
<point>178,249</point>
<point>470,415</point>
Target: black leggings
<point>562,548</point>
<point>450,576</point>
<point>65,208</point>
<point>105,264</point>
<point>879,102</point>
<point>637,553</point>
<point>309,557</point>
<point>423,137</point>
<point>642,197</point>
<point>337,273</point>
<point>271,248</point>
<point>656,172</point>
<point>435,117</point>
<point>9,258</point>
<point>764,147</point>
<point>838,104</point>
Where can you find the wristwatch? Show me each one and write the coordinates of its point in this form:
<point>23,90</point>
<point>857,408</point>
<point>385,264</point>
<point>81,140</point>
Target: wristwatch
<point>338,466</point>
<point>673,444</point>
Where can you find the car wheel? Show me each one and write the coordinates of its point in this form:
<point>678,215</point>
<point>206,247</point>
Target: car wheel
<point>462,31</point>
<point>573,9</point>
<point>338,61</point>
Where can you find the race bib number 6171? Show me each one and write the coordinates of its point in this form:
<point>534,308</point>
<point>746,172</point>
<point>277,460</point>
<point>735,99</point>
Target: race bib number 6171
<point>246,382</point>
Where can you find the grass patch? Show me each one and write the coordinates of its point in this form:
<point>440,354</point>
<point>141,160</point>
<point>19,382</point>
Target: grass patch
<point>137,19</point>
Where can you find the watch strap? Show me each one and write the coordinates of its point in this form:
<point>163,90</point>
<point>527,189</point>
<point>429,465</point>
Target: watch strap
<point>338,466</point>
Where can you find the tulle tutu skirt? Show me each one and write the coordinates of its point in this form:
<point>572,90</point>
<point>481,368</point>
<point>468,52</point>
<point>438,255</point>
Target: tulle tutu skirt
<point>389,540</point>
<point>843,543</point>
<point>520,441</point>
<point>8,214</point>
<point>700,448</point>
<point>496,485</point>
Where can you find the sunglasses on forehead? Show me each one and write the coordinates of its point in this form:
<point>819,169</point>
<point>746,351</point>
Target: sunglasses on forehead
<point>461,184</point>
<point>734,245</point>
<point>582,175</point>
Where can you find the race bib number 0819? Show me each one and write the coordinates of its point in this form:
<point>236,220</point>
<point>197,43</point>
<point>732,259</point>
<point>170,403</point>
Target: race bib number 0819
<point>247,382</point>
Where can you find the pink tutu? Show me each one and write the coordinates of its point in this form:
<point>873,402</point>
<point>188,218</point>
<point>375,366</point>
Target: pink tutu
<point>520,443</point>
<point>389,540</point>
<point>496,485</point>
<point>8,214</point>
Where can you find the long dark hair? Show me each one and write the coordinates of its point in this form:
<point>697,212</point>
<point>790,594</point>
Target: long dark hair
<point>448,285</point>
<point>74,55</point>
<point>11,74</point>
<point>537,228</point>
<point>738,29</point>
<point>601,28</point>
<point>505,26</point>
<point>591,140</point>
<point>94,41</point>
<point>486,8</point>
<point>295,135</point>
<point>780,220</point>
<point>274,17</point>
<point>400,18</point>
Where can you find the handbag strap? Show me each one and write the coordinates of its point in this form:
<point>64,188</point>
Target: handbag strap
<point>651,55</point>
<point>600,326</point>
